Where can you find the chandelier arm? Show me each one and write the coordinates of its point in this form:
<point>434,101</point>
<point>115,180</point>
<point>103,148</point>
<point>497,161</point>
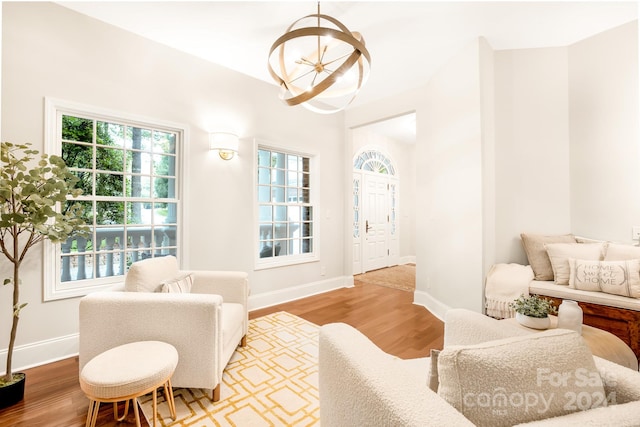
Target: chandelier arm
<point>313,81</point>
<point>324,51</point>
<point>302,75</point>
<point>337,59</point>
<point>326,83</point>
<point>305,61</point>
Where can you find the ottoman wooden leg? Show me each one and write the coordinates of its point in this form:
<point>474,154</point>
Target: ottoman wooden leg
<point>135,411</point>
<point>115,411</point>
<point>92,414</point>
<point>155,405</point>
<point>168,395</point>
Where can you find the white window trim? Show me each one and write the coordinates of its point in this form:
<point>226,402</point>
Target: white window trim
<point>283,261</point>
<point>52,252</point>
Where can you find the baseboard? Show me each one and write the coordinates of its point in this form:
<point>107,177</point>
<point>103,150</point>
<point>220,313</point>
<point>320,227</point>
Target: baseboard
<point>39,353</point>
<point>411,259</point>
<point>434,306</point>
<point>48,351</point>
<point>267,299</point>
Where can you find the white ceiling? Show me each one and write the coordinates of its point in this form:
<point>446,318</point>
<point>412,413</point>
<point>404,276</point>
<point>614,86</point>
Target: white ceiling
<point>407,40</point>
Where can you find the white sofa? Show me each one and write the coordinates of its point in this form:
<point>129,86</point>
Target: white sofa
<point>205,325</point>
<point>360,385</point>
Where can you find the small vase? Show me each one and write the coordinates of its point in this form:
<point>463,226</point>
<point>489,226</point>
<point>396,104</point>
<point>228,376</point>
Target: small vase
<point>533,322</point>
<point>570,316</point>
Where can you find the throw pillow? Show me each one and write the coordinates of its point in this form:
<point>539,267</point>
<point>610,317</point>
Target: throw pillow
<point>179,285</point>
<point>537,254</point>
<point>613,277</point>
<point>619,252</point>
<point>433,373</point>
<point>520,379</point>
<point>559,254</point>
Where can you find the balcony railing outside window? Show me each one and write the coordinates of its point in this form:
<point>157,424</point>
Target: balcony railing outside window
<point>130,200</point>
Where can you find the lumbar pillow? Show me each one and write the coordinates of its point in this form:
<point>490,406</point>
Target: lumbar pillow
<point>179,285</point>
<point>520,379</point>
<point>537,254</point>
<point>618,252</point>
<point>559,254</point>
<point>613,277</point>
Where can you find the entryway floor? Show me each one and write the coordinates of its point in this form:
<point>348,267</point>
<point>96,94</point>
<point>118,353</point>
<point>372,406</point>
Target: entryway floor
<point>401,277</point>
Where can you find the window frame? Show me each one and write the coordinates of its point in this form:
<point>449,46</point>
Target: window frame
<point>54,288</point>
<point>314,190</point>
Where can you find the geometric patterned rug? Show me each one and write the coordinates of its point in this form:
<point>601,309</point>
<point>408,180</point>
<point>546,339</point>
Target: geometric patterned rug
<point>273,381</point>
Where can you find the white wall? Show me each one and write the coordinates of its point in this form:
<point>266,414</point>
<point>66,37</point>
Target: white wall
<point>51,51</point>
<point>449,184</point>
<point>488,135</point>
<point>532,147</point>
<point>603,122</point>
<point>567,143</point>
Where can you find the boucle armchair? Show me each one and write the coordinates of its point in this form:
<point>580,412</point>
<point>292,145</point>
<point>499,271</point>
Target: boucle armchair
<point>361,385</point>
<point>205,325</point>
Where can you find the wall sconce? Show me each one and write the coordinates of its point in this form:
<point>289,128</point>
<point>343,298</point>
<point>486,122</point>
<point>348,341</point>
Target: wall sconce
<point>226,143</point>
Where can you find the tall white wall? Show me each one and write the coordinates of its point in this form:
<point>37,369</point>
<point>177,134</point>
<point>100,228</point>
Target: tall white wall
<point>605,143</point>
<point>532,147</point>
<point>449,181</point>
<point>48,50</point>
<point>488,135</point>
<point>567,142</point>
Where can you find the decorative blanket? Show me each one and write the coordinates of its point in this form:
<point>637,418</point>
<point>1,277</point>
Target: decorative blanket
<point>505,283</point>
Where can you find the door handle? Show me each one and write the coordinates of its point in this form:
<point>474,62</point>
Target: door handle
<point>366,226</point>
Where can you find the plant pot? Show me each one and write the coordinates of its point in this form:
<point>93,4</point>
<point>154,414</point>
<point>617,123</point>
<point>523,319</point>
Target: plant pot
<point>533,322</point>
<point>13,393</point>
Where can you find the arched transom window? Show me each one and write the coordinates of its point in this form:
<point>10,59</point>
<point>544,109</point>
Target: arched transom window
<point>374,161</point>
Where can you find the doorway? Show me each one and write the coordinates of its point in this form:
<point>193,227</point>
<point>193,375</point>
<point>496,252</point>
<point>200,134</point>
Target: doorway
<point>375,204</point>
<point>383,193</point>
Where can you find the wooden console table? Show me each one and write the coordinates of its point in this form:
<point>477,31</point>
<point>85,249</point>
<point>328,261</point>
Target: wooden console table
<point>621,322</point>
<point>602,344</point>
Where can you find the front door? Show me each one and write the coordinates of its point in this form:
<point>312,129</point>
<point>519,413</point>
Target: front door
<point>376,221</point>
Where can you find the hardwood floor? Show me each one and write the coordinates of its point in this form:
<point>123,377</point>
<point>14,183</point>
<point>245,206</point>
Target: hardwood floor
<point>387,316</point>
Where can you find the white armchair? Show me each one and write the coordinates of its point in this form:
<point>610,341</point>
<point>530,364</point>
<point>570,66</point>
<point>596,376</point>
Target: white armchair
<point>205,325</point>
<point>360,385</point>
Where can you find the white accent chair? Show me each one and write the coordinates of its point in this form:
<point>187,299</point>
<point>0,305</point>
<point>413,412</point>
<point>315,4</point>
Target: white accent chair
<point>360,385</point>
<point>205,326</point>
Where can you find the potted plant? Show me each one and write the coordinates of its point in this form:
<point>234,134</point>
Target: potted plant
<point>533,311</point>
<point>33,207</point>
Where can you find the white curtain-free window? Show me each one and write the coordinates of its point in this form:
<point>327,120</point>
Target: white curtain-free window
<point>286,211</point>
<point>130,174</point>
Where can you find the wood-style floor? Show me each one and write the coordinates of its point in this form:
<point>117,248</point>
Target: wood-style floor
<point>387,316</point>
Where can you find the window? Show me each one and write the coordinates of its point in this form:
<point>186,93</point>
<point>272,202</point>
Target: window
<point>128,172</point>
<point>285,208</point>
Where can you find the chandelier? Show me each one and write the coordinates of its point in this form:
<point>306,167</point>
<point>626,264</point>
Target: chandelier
<point>319,63</point>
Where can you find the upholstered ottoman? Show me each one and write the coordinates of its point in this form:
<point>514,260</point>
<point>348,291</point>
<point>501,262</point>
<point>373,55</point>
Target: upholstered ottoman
<point>126,372</point>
